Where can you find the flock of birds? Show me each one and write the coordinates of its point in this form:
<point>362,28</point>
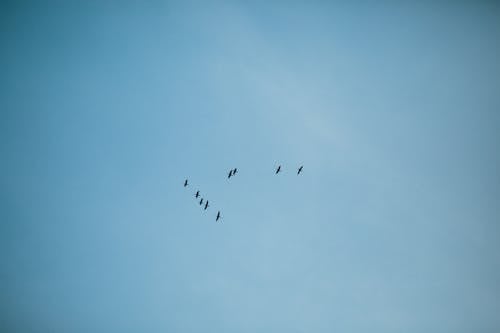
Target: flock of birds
<point>231,173</point>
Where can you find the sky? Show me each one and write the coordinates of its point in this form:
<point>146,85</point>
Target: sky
<point>392,108</point>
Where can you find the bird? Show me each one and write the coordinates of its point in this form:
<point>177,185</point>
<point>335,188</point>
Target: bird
<point>230,174</point>
<point>201,201</point>
<point>300,169</point>
<point>218,216</point>
<point>185,183</point>
<point>234,171</point>
<point>197,194</point>
<point>206,205</point>
<point>278,170</point>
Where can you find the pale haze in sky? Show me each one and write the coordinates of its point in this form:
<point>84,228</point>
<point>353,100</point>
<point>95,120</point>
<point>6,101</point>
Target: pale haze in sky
<point>392,108</point>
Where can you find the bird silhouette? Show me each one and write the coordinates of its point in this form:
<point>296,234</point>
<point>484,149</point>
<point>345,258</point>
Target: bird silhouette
<point>230,174</point>
<point>201,201</point>
<point>234,171</point>
<point>197,194</point>
<point>218,216</point>
<point>185,183</point>
<point>278,170</point>
<point>300,169</point>
<point>206,205</point>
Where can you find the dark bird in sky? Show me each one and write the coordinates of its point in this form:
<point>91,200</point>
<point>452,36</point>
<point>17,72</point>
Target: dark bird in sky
<point>218,216</point>
<point>197,194</point>
<point>300,169</point>
<point>232,173</point>
<point>278,170</point>
<point>201,201</point>
<point>206,205</point>
<point>185,183</point>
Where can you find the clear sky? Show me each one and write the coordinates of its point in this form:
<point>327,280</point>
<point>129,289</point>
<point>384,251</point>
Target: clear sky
<point>393,110</point>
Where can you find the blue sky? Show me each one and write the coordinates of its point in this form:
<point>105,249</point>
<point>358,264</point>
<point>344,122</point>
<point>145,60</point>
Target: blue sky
<point>393,109</point>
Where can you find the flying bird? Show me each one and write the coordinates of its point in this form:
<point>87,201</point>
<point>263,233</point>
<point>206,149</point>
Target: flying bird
<point>197,194</point>
<point>185,183</point>
<point>206,205</point>
<point>218,216</point>
<point>300,169</point>
<point>278,170</point>
<point>232,173</point>
<point>201,201</point>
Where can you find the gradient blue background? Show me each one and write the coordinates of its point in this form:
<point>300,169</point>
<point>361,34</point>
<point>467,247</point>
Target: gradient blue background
<point>393,109</point>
